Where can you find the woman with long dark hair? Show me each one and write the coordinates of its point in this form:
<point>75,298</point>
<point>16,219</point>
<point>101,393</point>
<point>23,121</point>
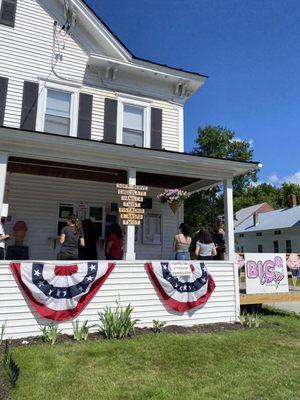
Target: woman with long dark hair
<point>114,243</point>
<point>205,248</point>
<point>71,237</point>
<point>182,242</point>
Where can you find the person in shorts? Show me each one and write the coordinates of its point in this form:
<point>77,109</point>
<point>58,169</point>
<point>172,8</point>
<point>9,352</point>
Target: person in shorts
<point>71,237</point>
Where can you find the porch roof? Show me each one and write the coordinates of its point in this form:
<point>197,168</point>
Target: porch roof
<point>202,171</point>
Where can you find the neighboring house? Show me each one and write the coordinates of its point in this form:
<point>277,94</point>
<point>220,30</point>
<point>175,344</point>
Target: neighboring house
<point>80,113</point>
<point>244,213</point>
<point>276,231</point>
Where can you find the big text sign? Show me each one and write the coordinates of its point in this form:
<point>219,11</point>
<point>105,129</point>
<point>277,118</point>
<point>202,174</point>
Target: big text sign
<point>266,273</point>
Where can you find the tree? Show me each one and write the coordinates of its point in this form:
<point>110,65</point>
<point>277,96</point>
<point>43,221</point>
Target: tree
<point>202,208</point>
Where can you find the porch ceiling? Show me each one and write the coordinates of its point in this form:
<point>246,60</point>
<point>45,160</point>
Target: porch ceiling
<point>90,173</point>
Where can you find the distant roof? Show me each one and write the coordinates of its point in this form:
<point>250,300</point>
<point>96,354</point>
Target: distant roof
<point>277,219</point>
<point>244,213</point>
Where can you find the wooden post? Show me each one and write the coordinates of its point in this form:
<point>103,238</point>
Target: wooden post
<point>130,230</point>
<point>3,169</point>
<point>229,220</point>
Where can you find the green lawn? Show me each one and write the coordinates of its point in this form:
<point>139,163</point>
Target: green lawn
<point>256,364</point>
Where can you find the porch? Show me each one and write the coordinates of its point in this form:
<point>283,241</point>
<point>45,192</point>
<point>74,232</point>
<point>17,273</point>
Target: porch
<point>40,171</point>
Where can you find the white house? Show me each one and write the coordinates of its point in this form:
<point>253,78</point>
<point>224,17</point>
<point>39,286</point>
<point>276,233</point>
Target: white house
<point>80,113</point>
<point>274,231</point>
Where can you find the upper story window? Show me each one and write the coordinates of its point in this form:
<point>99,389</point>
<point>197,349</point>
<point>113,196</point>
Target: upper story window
<point>58,109</point>
<point>277,232</point>
<point>58,112</point>
<point>241,235</point>
<point>8,12</point>
<point>133,127</point>
<point>258,234</point>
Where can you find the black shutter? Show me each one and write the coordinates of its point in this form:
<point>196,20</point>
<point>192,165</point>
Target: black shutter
<point>29,105</point>
<point>110,120</point>
<point>85,116</point>
<point>8,12</point>
<point>3,93</point>
<point>156,128</point>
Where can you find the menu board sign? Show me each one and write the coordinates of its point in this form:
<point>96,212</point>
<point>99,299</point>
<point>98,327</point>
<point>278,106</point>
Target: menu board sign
<point>132,196</point>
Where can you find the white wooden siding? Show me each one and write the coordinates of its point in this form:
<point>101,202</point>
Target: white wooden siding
<point>35,200</point>
<point>26,54</point>
<point>129,283</point>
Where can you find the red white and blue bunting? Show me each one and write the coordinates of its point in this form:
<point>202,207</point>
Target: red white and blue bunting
<point>60,291</point>
<point>182,292</point>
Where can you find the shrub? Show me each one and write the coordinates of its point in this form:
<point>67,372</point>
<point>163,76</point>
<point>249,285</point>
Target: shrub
<point>10,368</point>
<point>117,323</point>
<point>50,333</point>
<point>81,333</point>
<point>252,320</point>
<point>158,325</point>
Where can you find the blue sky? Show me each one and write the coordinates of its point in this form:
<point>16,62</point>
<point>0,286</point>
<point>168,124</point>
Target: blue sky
<point>251,52</point>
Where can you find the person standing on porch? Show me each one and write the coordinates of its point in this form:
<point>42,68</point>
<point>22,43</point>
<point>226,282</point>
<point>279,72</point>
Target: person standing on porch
<point>3,238</point>
<point>182,242</point>
<point>114,243</point>
<point>205,247</point>
<point>218,237</point>
<point>71,236</point>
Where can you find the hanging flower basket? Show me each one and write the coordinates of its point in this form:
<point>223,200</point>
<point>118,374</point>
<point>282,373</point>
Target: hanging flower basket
<point>174,197</point>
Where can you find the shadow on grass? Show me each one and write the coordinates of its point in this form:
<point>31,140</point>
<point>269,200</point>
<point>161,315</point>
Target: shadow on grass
<point>268,310</point>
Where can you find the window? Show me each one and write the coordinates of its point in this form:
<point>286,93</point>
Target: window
<point>8,12</point>
<point>260,248</point>
<point>64,210</point>
<point>241,235</point>
<point>276,246</point>
<point>277,232</point>
<point>242,249</point>
<point>152,233</point>
<point>58,112</point>
<point>96,214</point>
<point>288,246</point>
<point>133,125</point>
<point>258,234</point>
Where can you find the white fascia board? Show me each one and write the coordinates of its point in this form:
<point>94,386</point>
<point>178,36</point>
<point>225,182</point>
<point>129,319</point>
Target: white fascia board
<point>96,24</point>
<point>87,152</point>
<point>194,80</point>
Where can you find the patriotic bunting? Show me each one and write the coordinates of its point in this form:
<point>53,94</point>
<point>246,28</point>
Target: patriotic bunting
<point>182,292</point>
<point>60,292</point>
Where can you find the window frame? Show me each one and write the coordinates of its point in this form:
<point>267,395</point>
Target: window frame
<point>260,248</point>
<point>132,101</point>
<point>2,22</point>
<point>103,221</point>
<point>144,236</point>
<point>276,246</point>
<point>42,105</point>
<point>290,248</point>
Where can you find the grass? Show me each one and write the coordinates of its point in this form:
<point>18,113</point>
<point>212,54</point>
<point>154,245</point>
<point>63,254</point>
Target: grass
<point>248,364</point>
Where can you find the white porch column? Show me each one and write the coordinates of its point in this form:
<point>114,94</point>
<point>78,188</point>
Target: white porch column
<point>3,169</point>
<point>130,230</point>
<point>229,220</point>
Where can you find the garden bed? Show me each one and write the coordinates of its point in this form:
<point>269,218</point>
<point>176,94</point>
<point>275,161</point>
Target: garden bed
<point>199,362</point>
